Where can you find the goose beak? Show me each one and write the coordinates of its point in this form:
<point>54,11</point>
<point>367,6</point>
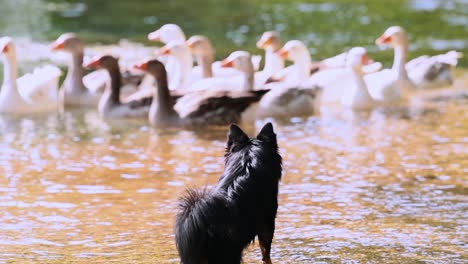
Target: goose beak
<point>141,66</point>
<point>365,60</point>
<point>93,64</point>
<point>382,40</point>
<point>164,51</point>
<point>190,44</point>
<point>283,53</point>
<point>263,43</point>
<point>227,63</point>
<point>57,45</point>
<point>5,48</point>
<point>154,36</point>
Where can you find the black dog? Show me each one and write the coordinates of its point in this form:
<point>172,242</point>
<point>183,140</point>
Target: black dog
<point>215,226</point>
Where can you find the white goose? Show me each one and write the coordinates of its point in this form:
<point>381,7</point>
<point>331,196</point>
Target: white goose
<point>34,92</point>
<point>389,85</point>
<point>425,71</point>
<point>355,94</point>
<point>298,53</point>
<point>166,34</point>
<point>181,75</point>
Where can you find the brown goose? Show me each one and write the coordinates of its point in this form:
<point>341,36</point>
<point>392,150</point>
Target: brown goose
<point>110,105</point>
<point>206,107</point>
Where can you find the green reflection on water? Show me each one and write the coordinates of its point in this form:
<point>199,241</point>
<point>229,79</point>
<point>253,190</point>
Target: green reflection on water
<point>328,27</point>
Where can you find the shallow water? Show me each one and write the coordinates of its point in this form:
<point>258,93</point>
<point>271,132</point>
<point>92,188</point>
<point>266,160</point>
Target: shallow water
<point>387,185</point>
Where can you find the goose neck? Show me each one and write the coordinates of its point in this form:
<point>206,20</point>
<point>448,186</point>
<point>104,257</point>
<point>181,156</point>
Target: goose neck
<point>10,68</point>
<point>162,106</point>
<point>399,62</point>
<point>115,84</point>
<point>302,65</point>
<point>273,62</point>
<point>248,79</point>
<point>205,62</point>
<point>74,78</point>
<point>186,64</point>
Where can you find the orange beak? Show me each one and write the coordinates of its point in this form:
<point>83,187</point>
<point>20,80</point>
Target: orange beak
<point>154,36</point>
<point>58,45</point>
<point>142,66</point>
<point>226,63</point>
<point>5,48</point>
<point>93,64</point>
<point>365,60</point>
<point>263,43</point>
<point>283,53</point>
<point>164,51</point>
<point>189,44</point>
<point>383,40</point>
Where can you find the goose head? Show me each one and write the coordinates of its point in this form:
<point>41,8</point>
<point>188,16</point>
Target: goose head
<point>200,45</point>
<point>107,62</point>
<point>68,42</point>
<point>167,33</point>
<point>270,40</point>
<point>356,58</point>
<point>153,67</point>
<point>178,49</point>
<point>7,48</point>
<point>394,36</point>
<point>240,60</point>
<point>293,50</point>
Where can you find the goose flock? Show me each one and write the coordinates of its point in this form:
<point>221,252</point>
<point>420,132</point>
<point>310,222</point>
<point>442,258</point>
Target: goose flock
<point>175,92</point>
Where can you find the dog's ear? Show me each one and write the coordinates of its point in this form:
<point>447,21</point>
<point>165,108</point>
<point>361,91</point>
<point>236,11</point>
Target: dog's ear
<point>236,135</point>
<point>267,132</point>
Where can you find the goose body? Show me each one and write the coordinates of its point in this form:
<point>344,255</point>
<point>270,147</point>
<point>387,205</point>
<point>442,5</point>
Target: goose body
<point>428,72</point>
<point>33,92</point>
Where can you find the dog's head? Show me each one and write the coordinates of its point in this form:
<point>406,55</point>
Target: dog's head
<point>259,153</point>
<point>237,139</point>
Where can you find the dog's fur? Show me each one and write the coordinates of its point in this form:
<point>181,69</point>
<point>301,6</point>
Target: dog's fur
<point>215,226</point>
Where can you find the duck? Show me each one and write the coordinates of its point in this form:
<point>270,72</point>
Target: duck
<point>79,89</point>
<point>206,107</point>
<point>425,72</point>
<point>110,105</point>
<point>32,93</point>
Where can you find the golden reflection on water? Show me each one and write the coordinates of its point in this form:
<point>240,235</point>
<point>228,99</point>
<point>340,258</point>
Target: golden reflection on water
<point>385,185</point>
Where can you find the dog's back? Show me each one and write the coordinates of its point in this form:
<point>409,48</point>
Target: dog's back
<point>215,226</point>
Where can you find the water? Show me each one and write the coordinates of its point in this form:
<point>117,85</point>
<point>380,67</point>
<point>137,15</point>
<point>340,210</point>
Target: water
<point>387,186</point>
